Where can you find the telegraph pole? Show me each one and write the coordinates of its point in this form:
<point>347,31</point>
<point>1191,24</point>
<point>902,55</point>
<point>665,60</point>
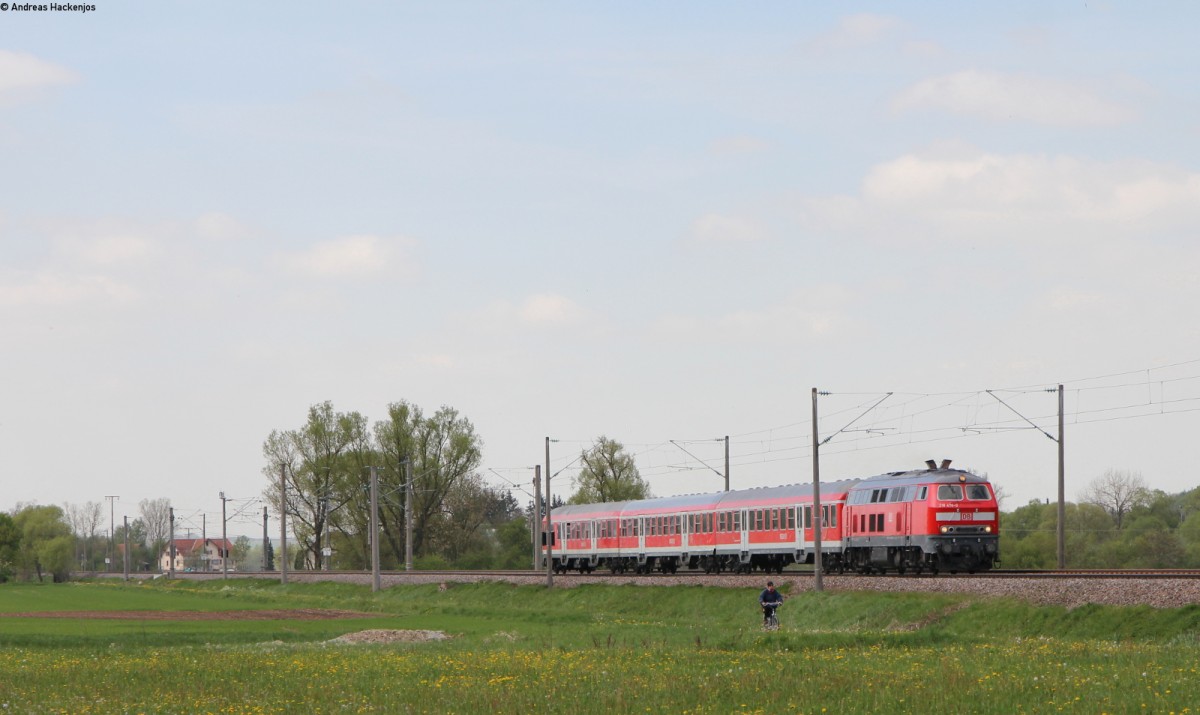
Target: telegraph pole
<point>125,555</point>
<point>374,530</point>
<point>410,491</point>
<point>112,534</point>
<point>266,541</point>
<point>283,524</point>
<point>818,584</point>
<point>1062,497</point>
<point>726,462</point>
<point>1062,511</point>
<point>536,523</point>
<point>224,542</point>
<point>171,550</point>
<point>549,525</point>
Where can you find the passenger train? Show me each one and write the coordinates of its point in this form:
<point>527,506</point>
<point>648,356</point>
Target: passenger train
<point>929,520</point>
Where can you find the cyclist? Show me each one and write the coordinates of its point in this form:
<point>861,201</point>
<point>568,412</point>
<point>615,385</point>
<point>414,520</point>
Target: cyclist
<point>769,600</point>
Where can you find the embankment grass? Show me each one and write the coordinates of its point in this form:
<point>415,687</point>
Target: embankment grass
<point>594,649</point>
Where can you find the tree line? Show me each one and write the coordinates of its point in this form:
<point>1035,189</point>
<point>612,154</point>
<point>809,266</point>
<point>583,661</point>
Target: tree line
<point>461,521</point>
<point>39,542</point>
<point>1118,522</point>
<point>324,468</point>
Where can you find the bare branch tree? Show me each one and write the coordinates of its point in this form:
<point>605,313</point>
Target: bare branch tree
<point>156,518</point>
<point>1117,491</point>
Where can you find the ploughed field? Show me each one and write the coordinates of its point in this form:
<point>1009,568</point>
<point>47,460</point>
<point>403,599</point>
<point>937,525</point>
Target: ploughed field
<point>254,646</point>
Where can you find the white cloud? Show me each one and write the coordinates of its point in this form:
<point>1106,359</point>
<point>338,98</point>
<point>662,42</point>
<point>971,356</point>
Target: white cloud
<point>22,72</point>
<point>967,194</point>
<point>1002,97</point>
<point>714,227</point>
<point>550,309</point>
<point>110,242</point>
<point>857,31</point>
<point>800,318</point>
<point>351,257</point>
<point>218,226</point>
<point>50,288</point>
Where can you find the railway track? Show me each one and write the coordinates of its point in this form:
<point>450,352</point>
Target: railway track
<point>690,575</point>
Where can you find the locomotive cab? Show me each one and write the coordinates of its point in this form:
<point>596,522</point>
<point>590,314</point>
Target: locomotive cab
<point>961,523</point>
<point>927,520</point>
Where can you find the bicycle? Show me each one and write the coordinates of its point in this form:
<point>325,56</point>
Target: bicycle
<point>770,620</point>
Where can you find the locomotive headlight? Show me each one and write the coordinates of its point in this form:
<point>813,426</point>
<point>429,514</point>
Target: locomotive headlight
<point>945,530</point>
<point>987,529</point>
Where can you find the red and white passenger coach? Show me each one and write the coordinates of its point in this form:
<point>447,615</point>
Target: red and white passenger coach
<point>936,519</point>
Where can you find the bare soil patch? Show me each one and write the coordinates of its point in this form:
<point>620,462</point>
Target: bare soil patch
<point>389,636</point>
<point>293,614</point>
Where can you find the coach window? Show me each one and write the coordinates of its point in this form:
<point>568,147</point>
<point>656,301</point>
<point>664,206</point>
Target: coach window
<point>977,491</point>
<point>791,519</point>
<point>949,492</point>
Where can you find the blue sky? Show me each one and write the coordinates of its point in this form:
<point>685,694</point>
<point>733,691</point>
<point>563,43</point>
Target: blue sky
<point>653,222</point>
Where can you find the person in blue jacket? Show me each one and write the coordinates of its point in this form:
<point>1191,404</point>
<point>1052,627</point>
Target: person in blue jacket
<point>769,600</point>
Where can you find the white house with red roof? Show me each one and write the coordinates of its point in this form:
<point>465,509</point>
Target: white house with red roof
<point>197,555</point>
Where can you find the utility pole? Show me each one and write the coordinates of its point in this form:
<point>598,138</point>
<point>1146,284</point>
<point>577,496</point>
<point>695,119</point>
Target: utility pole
<point>112,534</point>
<point>125,555</point>
<point>327,552</point>
<point>726,462</point>
<point>536,523</point>
<point>1062,510</point>
<point>171,550</point>
<point>283,524</point>
<point>1062,497</point>
<point>819,583</point>
<point>374,530</point>
<point>409,493</point>
<point>224,542</point>
<point>266,541</point>
<point>549,525</point>
<point>203,542</point>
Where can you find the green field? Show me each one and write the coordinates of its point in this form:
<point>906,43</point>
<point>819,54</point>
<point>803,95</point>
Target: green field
<point>593,649</point>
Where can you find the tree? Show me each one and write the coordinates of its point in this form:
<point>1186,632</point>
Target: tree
<point>444,452</point>
<point>1117,492</point>
<point>609,474</point>
<point>10,544</point>
<point>241,550</point>
<point>140,556</point>
<point>322,463</point>
<point>46,542</point>
<point>84,520</point>
<point>156,521</point>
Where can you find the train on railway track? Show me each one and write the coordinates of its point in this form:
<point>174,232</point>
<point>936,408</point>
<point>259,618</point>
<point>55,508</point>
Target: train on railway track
<point>922,521</point>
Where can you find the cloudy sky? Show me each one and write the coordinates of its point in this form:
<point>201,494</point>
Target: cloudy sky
<point>663,223</point>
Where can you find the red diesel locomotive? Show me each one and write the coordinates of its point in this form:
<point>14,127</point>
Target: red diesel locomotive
<point>935,519</point>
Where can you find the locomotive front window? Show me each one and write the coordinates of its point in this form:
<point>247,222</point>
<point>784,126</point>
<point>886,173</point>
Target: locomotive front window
<point>949,492</point>
<point>977,491</point>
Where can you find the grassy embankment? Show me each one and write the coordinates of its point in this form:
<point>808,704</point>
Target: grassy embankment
<point>589,650</point>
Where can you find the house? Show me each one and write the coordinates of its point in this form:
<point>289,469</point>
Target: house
<point>197,555</point>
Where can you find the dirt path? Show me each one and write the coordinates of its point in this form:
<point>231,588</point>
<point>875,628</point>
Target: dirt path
<point>296,614</point>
